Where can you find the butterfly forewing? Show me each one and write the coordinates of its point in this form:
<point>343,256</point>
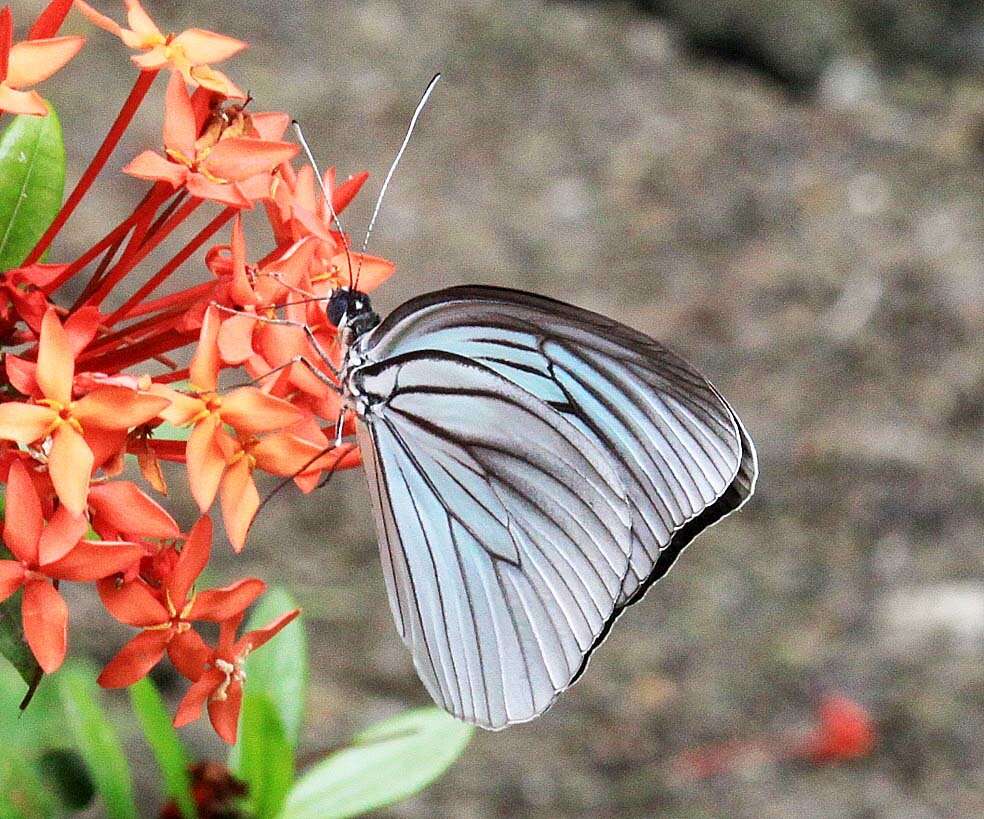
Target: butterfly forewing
<point>534,468</point>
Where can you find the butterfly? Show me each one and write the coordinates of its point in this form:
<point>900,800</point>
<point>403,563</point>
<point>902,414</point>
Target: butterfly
<point>534,468</point>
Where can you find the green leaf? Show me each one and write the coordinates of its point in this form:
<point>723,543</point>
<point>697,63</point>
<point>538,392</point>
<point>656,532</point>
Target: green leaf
<point>96,740</point>
<point>389,762</point>
<point>22,793</point>
<point>171,756</point>
<point>12,643</point>
<point>32,180</point>
<point>279,669</point>
<point>266,757</point>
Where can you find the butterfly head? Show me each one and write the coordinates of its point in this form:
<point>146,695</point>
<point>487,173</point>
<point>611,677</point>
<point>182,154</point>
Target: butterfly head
<point>351,312</point>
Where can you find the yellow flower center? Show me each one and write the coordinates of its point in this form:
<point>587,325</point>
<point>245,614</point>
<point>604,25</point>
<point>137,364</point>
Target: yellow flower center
<point>63,414</point>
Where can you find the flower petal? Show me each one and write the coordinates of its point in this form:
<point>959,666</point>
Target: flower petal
<point>95,559</point>
<point>242,157</point>
<point>135,660</point>
<point>182,408</point>
<point>154,167</point>
<point>25,423</point>
<point>70,465</point>
<point>20,373</point>
<point>254,639</point>
<point>371,271</point>
<point>81,327</point>
<point>140,22</point>
<point>179,118</point>
<point>223,193</point>
<point>35,60</point>
<point>201,46</point>
<point>192,560</point>
<point>190,707</point>
<point>22,102</point>
<point>122,507</point>
<point>205,462</point>
<point>12,576</point>
<point>251,410</point>
<point>345,193</point>
<point>97,19</point>
<point>284,453</point>
<point>56,362</point>
<point>224,713</point>
<point>23,523</point>
<point>216,605</point>
<point>235,340</point>
<point>239,500</point>
<point>60,536</point>
<point>214,80</point>
<point>113,407</point>
<point>45,617</point>
<point>271,125</point>
<point>189,653</point>
<point>204,368</point>
<point>133,603</point>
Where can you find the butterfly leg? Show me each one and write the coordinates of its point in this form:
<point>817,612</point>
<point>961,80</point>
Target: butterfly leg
<point>322,354</point>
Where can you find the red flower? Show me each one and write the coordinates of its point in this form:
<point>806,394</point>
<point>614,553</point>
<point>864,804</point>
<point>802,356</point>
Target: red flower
<point>75,428</point>
<point>187,53</point>
<point>220,678</point>
<point>45,552</point>
<point>28,63</point>
<point>846,731</point>
<point>166,614</point>
<point>247,410</point>
<point>211,171</point>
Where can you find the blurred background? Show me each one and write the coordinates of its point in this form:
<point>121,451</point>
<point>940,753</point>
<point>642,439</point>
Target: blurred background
<point>790,194</point>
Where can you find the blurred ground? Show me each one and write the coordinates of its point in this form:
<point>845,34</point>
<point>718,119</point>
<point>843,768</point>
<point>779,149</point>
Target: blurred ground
<point>812,237</point>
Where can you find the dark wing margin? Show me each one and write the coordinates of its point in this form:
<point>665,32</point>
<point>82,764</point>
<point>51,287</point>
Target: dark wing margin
<point>679,454</point>
<point>504,535</point>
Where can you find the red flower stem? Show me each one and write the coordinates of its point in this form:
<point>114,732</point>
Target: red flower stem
<point>183,298</point>
<point>132,334</point>
<point>140,88</point>
<point>170,378</point>
<point>148,348</point>
<point>6,39</point>
<point>179,259</point>
<point>50,20</point>
<point>127,263</point>
<point>151,200</point>
<point>165,214</point>
<point>100,271</point>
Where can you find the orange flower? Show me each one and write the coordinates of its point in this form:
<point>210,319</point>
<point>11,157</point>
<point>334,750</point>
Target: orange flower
<point>211,170</point>
<point>28,63</point>
<point>219,681</point>
<point>76,429</point>
<point>46,552</point>
<point>187,53</point>
<point>247,410</point>
<point>166,615</point>
<point>282,453</point>
<point>845,731</point>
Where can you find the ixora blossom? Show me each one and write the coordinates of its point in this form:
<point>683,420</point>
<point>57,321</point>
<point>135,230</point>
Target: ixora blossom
<point>188,53</point>
<point>219,682</point>
<point>25,64</point>
<point>166,613</point>
<point>74,428</point>
<point>218,170</point>
<point>83,385</point>
<point>47,551</point>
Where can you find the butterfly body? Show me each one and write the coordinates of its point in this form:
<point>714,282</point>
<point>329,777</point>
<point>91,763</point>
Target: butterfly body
<point>534,468</point>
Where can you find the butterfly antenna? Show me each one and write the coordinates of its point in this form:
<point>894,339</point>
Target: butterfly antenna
<point>327,197</point>
<point>396,161</point>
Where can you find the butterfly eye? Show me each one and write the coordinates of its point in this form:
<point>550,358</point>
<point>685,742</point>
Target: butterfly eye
<point>338,306</point>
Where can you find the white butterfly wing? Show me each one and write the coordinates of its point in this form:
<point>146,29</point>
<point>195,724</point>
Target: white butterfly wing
<point>504,534</point>
<point>679,457</point>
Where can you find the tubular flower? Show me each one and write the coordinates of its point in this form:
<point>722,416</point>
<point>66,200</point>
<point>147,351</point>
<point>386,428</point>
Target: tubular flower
<point>246,409</point>
<point>188,53</point>
<point>28,63</point>
<point>77,430</point>
<point>46,552</point>
<point>214,170</point>
<point>220,677</point>
<point>165,614</point>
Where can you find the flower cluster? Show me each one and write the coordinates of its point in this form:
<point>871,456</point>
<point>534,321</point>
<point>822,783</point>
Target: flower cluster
<point>93,372</point>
